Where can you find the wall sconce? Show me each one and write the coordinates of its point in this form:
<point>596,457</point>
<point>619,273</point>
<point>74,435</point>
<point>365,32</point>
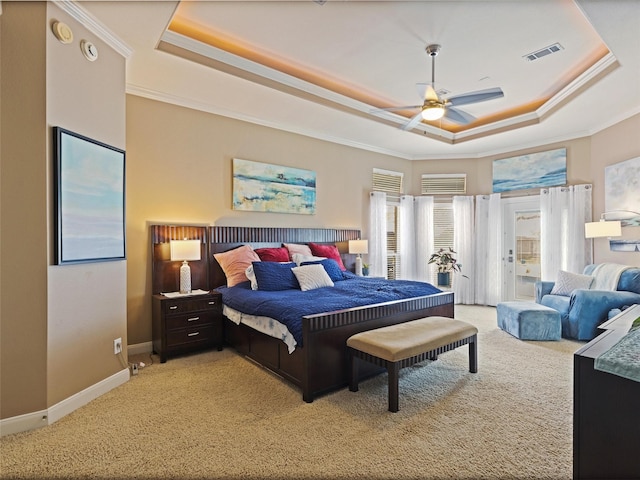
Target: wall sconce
<point>605,228</point>
<point>184,251</point>
<point>358,247</point>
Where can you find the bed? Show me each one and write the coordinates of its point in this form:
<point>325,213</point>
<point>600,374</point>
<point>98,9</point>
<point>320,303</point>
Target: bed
<point>318,363</point>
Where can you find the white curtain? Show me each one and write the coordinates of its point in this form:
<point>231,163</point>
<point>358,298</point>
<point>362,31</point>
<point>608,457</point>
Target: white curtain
<point>488,274</point>
<point>378,234</point>
<point>463,245</point>
<point>423,207</point>
<point>406,238</point>
<point>563,213</point>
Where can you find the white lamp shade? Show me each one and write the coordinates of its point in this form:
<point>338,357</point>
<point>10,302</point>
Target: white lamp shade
<point>602,229</point>
<point>433,113</point>
<point>358,246</point>
<point>184,250</point>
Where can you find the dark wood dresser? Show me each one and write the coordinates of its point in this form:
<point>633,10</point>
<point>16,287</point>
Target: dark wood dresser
<point>186,324</point>
<point>606,410</point>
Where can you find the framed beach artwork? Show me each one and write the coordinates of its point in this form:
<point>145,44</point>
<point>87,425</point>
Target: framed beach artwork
<point>90,199</point>
<point>535,170</point>
<point>622,200</point>
<point>263,187</point>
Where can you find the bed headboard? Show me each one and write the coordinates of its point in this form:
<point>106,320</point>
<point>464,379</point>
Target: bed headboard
<point>206,274</point>
<point>222,239</point>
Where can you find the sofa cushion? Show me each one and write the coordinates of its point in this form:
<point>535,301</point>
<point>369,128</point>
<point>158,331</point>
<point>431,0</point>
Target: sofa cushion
<point>557,302</point>
<point>567,282</point>
<point>629,280</point>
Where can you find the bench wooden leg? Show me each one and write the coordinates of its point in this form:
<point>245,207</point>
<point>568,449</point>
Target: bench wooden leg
<point>473,354</point>
<point>394,370</point>
<point>353,379</point>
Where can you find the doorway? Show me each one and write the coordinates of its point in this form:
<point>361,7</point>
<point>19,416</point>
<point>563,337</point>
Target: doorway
<point>521,256</point>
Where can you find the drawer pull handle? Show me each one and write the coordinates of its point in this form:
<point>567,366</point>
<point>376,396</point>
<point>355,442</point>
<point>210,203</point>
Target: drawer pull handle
<point>173,307</point>
<point>193,319</point>
<point>212,303</point>
<point>193,334</point>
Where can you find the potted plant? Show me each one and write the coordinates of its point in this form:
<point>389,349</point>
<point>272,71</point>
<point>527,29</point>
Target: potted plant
<point>446,264</point>
<point>365,269</point>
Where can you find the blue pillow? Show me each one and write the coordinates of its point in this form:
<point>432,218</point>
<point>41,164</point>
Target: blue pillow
<point>273,276</point>
<point>331,266</point>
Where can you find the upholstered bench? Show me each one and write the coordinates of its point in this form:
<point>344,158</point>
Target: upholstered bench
<point>401,345</point>
<point>529,321</point>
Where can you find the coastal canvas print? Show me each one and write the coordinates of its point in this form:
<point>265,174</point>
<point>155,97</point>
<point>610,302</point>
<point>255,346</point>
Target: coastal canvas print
<point>90,204</point>
<point>263,187</point>
<point>535,170</point>
<point>622,201</point>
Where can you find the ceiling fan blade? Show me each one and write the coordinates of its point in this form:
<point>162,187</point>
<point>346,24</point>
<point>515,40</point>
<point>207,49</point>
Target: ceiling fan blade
<point>415,120</point>
<point>475,97</point>
<point>458,116</point>
<point>391,109</point>
<point>426,91</point>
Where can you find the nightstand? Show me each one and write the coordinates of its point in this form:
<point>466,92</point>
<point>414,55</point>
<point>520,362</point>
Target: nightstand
<point>186,324</point>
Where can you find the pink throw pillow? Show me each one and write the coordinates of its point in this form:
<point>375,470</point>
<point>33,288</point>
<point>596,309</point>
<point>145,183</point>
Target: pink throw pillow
<point>328,251</point>
<point>298,248</point>
<point>234,263</point>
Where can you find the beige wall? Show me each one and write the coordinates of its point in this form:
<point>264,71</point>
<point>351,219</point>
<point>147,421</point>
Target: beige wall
<point>479,171</point>
<point>87,302</point>
<point>58,322</point>
<point>24,246</point>
<point>179,171</point>
<point>613,145</point>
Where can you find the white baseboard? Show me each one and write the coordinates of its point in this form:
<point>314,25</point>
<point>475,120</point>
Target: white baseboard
<point>23,423</point>
<point>30,421</point>
<point>136,348</point>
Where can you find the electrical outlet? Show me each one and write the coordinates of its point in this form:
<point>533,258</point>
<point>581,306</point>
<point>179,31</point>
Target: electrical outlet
<point>117,346</point>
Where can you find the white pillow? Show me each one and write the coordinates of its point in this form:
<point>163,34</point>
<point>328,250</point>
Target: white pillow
<point>299,258</point>
<point>567,282</point>
<point>312,276</point>
<point>294,248</point>
<point>252,277</point>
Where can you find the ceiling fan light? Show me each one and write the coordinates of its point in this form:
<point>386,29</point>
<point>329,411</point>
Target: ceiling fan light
<point>433,112</point>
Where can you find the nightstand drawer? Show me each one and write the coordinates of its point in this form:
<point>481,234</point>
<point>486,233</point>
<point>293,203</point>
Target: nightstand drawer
<point>189,320</point>
<point>177,338</point>
<point>186,324</point>
<point>172,306</point>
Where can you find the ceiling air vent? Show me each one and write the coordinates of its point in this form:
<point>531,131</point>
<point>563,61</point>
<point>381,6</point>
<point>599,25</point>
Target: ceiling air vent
<point>556,47</point>
<point>443,184</point>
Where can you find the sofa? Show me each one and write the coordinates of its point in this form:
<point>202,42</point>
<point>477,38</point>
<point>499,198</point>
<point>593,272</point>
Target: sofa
<point>583,309</point>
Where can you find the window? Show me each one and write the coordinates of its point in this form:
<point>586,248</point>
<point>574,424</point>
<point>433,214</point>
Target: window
<point>391,183</point>
<point>442,228</point>
<point>443,183</point>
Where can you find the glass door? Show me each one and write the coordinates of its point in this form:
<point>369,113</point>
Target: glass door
<point>522,247</point>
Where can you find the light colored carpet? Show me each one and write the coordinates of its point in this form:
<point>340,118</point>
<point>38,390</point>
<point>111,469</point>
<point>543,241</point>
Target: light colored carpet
<point>218,415</point>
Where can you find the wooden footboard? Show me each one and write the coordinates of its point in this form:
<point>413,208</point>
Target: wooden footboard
<point>321,364</point>
<point>325,337</point>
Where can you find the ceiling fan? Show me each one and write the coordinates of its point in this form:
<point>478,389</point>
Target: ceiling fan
<point>435,108</point>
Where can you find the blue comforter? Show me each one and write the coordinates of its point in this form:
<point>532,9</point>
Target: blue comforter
<point>289,306</point>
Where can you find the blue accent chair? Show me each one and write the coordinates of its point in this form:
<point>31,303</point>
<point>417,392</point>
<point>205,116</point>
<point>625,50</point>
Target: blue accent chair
<point>584,310</point>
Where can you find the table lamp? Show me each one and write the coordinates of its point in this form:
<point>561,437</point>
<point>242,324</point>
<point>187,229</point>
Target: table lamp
<point>358,247</point>
<point>184,251</point>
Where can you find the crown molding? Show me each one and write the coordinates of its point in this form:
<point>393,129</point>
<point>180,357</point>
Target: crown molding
<point>95,26</point>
